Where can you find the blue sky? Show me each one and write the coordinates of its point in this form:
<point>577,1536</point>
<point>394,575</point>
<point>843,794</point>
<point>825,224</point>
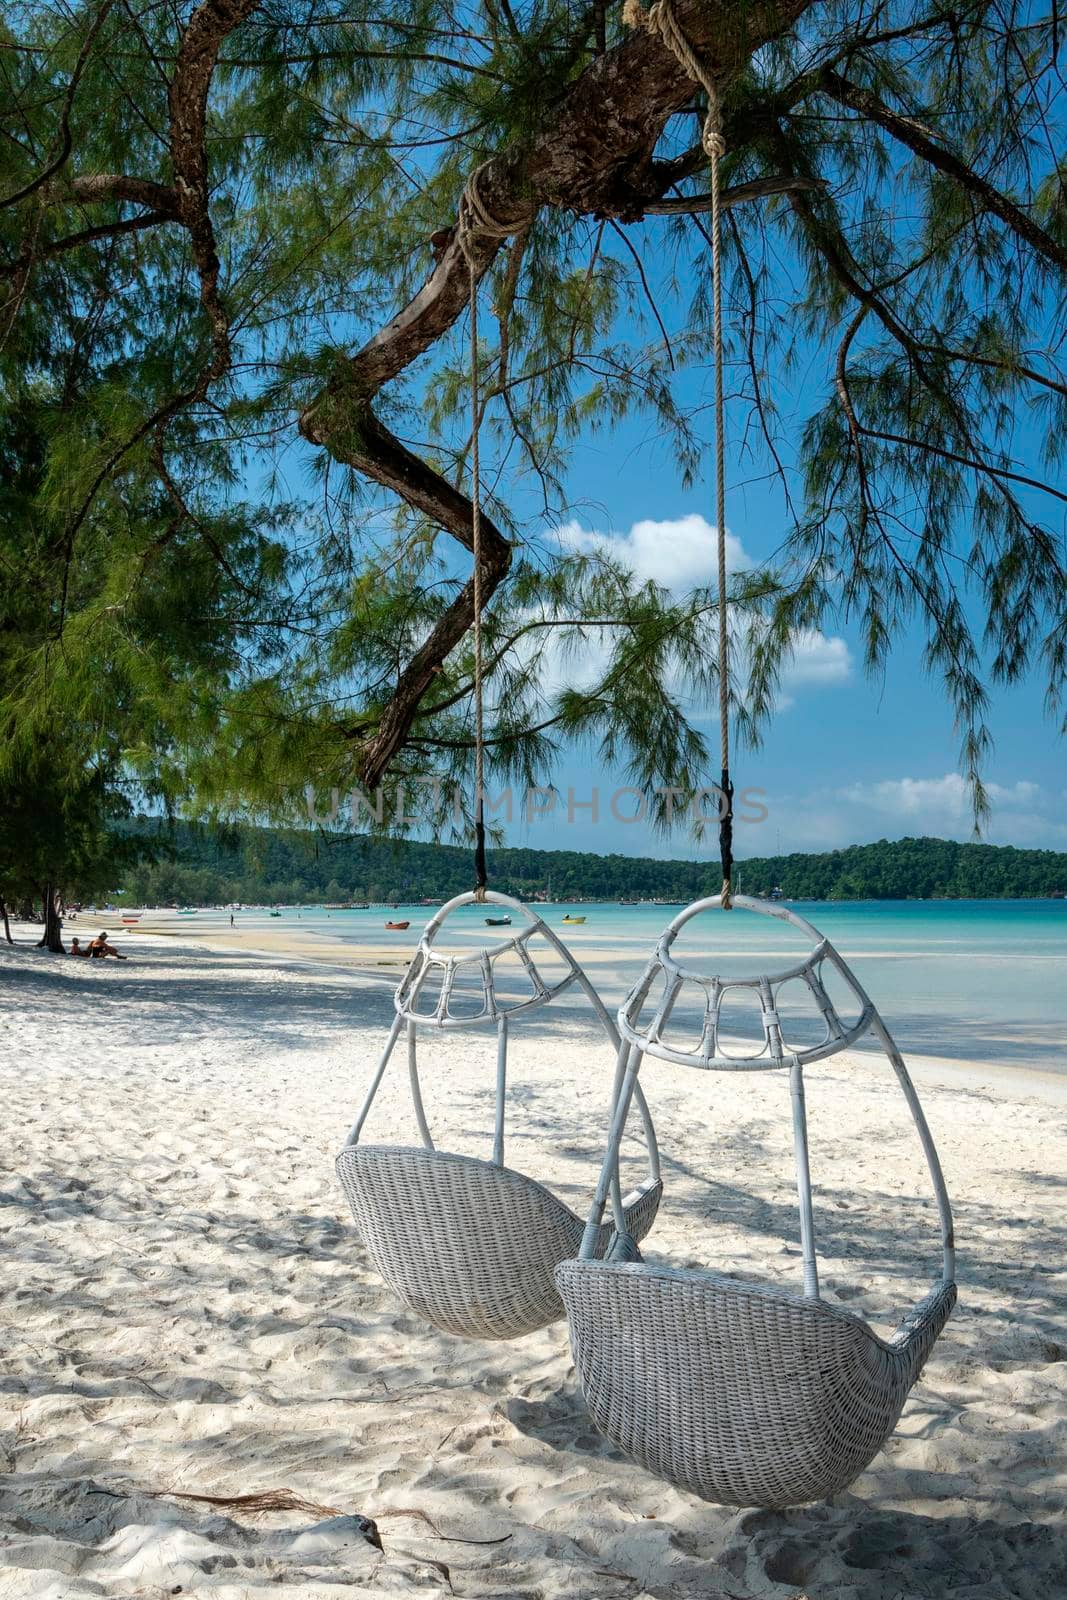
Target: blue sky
<point>847,760</point>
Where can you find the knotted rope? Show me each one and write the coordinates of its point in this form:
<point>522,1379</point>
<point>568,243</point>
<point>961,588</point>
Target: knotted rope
<point>660,18</point>
<point>476,220</point>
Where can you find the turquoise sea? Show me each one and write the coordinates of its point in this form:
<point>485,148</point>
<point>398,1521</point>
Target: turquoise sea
<point>981,980</point>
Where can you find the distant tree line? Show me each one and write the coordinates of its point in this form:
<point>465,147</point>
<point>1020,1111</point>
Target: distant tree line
<point>293,867</point>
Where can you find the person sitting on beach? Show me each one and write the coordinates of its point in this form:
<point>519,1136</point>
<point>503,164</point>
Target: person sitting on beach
<point>100,948</point>
<point>76,949</point>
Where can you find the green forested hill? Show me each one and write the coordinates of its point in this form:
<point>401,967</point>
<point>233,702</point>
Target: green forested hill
<point>289,866</point>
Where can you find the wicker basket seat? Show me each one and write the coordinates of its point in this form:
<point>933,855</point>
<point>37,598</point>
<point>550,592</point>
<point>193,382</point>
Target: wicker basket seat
<point>469,1246</point>
<point>738,1394</point>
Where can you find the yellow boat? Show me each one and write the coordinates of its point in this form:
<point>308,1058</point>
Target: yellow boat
<point>569,918</point>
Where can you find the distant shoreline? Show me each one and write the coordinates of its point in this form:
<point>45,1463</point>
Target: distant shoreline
<point>385,906</point>
<point>270,867</point>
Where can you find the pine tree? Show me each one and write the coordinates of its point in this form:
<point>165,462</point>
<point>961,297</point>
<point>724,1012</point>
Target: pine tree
<point>230,257</point>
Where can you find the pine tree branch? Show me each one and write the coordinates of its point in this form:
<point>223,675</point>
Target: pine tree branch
<point>749,322</point>
<point>598,141</point>
<point>62,154</point>
<point>976,464</point>
<point>649,296</point>
<point>93,188</point>
<point>909,132</point>
<point>185,513</point>
<point>209,25</point>
<point>689,205</point>
<point>389,463</point>
<point>72,241</point>
<point>834,250</point>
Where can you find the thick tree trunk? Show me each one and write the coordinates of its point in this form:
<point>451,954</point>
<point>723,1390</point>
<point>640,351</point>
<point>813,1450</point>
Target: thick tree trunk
<point>52,939</point>
<point>7,925</point>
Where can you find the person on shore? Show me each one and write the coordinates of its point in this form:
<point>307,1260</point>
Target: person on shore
<point>100,948</point>
<point>76,949</point>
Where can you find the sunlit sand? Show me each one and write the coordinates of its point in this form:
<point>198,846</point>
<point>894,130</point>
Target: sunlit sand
<point>185,1305</point>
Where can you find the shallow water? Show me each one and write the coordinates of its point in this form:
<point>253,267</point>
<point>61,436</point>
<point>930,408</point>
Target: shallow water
<point>979,979</point>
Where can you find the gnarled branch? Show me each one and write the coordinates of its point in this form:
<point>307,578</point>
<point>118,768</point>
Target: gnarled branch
<point>590,157</point>
<point>198,56</point>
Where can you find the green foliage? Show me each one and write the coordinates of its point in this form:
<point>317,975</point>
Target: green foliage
<point>294,867</point>
<point>59,832</point>
<point>203,600</point>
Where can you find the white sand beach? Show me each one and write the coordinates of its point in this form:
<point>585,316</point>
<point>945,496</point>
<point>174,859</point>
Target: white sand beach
<point>185,1307</point>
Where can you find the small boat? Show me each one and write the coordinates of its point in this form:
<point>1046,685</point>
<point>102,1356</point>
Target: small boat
<point>189,911</point>
<point>498,922</point>
<point>129,920</point>
<point>569,918</point>
<point>275,913</point>
<point>398,927</point>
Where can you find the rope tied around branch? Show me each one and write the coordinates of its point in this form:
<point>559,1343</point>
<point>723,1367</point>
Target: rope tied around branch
<point>660,19</point>
<point>475,217</point>
<point>476,220</point>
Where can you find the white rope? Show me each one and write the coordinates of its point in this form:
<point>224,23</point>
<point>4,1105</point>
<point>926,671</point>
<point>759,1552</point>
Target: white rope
<point>660,19</point>
<point>476,220</point>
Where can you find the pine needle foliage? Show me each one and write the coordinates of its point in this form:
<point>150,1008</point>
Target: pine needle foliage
<point>234,481</point>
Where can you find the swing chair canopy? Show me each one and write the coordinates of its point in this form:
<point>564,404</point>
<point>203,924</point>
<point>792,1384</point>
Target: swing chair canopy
<point>436,989</point>
<point>650,1032</point>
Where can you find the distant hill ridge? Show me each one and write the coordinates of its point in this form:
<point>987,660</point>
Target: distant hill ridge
<point>201,866</point>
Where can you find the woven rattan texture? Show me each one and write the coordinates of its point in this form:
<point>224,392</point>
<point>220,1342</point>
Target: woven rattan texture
<point>469,1246</point>
<point>741,1395</point>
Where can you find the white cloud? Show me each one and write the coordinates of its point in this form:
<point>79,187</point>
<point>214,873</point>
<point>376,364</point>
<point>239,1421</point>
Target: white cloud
<point>1024,813</point>
<point>817,659</point>
<point>678,553</point>
<point>910,797</point>
<point>948,797</point>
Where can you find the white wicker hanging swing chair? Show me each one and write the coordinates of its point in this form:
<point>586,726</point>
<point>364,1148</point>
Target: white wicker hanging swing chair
<point>741,1394</point>
<point>472,1245</point>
